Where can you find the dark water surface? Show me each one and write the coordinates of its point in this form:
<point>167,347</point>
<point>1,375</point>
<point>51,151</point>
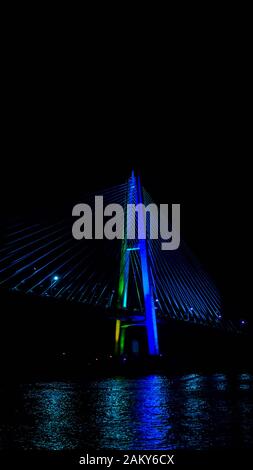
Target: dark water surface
<point>151,412</point>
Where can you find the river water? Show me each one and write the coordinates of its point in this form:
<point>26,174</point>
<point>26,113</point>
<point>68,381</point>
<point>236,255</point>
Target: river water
<point>154,412</point>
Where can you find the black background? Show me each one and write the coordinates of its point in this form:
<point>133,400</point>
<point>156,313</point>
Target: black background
<point>74,123</point>
<point>80,110</point>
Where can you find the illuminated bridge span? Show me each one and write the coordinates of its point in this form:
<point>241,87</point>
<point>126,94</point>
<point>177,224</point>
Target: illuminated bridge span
<point>131,276</point>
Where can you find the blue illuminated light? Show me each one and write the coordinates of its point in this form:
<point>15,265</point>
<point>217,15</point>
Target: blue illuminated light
<point>152,334</point>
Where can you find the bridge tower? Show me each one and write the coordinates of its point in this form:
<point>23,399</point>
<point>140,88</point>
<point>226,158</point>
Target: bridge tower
<point>135,196</point>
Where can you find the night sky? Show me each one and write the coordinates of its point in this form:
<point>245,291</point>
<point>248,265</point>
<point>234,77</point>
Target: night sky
<point>83,103</point>
<point>190,145</point>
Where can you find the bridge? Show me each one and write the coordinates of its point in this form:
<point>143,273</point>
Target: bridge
<point>134,278</point>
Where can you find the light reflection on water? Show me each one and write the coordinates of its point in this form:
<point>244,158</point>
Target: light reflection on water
<point>152,412</point>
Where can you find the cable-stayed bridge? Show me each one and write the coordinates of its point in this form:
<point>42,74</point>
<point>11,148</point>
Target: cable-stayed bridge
<point>134,278</point>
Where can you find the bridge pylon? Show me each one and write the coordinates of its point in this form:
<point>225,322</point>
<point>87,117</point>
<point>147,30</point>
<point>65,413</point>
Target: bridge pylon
<point>135,196</point>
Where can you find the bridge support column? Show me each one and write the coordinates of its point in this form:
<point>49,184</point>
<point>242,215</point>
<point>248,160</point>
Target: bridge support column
<point>122,340</point>
<point>150,314</point>
<point>135,196</point>
<point>117,337</point>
